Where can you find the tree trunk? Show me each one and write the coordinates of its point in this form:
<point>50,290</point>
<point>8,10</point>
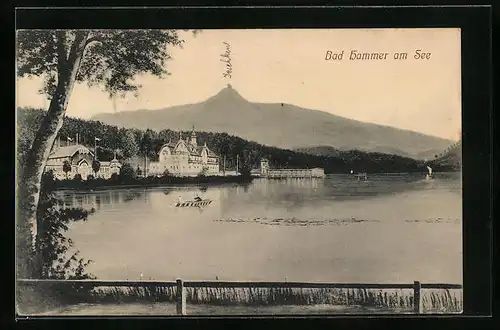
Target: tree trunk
<point>32,169</point>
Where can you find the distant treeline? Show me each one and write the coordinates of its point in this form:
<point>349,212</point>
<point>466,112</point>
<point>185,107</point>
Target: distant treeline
<point>450,159</point>
<point>134,142</point>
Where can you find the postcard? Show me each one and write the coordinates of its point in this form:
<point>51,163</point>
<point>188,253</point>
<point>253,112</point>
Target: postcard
<point>239,172</point>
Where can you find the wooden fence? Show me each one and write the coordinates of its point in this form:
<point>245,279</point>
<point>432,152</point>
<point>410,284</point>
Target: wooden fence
<point>181,286</point>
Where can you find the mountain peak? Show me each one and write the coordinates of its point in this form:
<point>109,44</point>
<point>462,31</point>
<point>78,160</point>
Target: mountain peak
<point>228,93</point>
<point>287,127</point>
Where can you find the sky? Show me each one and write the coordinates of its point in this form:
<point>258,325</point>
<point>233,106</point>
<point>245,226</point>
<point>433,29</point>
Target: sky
<point>289,66</point>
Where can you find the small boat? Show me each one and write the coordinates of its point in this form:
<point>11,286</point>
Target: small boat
<point>196,202</point>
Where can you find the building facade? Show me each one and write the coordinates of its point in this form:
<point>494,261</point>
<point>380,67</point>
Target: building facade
<point>185,158</point>
<point>80,160</point>
<point>266,171</point>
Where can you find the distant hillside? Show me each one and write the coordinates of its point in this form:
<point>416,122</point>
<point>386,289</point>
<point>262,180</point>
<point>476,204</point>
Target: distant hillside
<point>449,158</point>
<point>138,143</point>
<point>320,151</point>
<point>280,125</point>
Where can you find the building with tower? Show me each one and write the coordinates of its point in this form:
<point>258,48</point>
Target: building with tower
<point>185,157</point>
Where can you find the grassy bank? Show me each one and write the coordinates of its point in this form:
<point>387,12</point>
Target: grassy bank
<point>152,181</point>
<point>433,301</point>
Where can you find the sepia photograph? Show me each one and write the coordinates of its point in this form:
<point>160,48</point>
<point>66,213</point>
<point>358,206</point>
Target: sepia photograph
<point>239,172</point>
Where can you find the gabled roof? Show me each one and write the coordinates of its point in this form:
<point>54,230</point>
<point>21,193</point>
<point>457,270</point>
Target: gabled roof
<point>169,145</point>
<point>192,149</point>
<point>83,160</point>
<point>68,151</point>
<point>210,153</point>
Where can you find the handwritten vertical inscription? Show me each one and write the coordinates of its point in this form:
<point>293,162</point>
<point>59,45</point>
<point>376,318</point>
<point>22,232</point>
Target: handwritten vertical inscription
<point>226,58</point>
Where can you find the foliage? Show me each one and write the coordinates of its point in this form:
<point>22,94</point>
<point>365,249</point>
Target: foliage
<point>203,172</point>
<point>127,143</point>
<point>448,160</point>
<point>96,166</point>
<point>245,171</point>
<point>223,144</point>
<point>150,181</point>
<point>146,147</point>
<point>66,167</point>
<point>112,57</point>
<point>126,172</point>
<point>54,218</point>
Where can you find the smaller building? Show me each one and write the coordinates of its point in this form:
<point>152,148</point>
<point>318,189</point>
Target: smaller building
<point>266,171</point>
<point>108,168</point>
<point>255,172</point>
<point>79,158</point>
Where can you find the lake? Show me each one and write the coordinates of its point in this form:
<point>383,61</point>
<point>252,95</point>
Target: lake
<point>390,229</point>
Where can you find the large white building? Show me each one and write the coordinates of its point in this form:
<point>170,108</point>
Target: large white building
<point>185,158</point>
<point>79,158</point>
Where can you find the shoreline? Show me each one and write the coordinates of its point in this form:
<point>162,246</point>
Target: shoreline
<point>103,184</point>
<point>150,182</point>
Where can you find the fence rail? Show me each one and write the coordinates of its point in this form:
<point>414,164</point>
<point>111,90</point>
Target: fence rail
<point>181,286</point>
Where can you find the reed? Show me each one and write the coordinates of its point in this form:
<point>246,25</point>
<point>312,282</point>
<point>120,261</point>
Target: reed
<point>433,301</point>
<point>133,294</point>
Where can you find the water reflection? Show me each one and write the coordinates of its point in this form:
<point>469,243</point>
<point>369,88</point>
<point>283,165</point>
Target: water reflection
<point>291,191</point>
<point>387,229</point>
<point>99,199</point>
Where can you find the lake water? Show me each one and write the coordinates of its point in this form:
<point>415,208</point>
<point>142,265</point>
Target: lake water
<point>389,229</point>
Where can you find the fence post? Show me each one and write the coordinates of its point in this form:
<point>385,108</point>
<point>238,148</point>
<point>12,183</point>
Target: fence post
<point>416,297</point>
<point>181,298</point>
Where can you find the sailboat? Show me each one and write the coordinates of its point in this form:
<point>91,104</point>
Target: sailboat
<point>429,175</point>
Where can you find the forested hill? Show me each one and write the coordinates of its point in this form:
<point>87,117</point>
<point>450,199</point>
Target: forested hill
<point>228,111</point>
<point>450,158</point>
<point>320,151</point>
<point>135,142</point>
